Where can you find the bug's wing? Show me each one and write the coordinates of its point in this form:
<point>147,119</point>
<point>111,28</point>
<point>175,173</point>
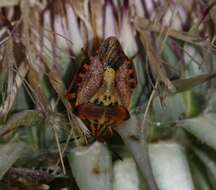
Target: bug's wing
<point>126,81</point>
<point>106,114</point>
<point>90,81</point>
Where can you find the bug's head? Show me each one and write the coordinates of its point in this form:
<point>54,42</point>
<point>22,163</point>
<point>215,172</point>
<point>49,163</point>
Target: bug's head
<point>111,53</point>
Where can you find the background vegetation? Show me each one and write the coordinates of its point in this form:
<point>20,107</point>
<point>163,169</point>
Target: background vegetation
<point>168,142</point>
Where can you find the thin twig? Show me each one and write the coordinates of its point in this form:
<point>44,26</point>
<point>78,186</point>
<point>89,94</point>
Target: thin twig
<point>59,149</point>
<point>143,129</point>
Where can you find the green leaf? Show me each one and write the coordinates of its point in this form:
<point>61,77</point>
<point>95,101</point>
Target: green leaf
<point>211,104</point>
<point>182,85</point>
<point>193,60</point>
<point>10,153</point>
<point>199,177</point>
<point>207,160</point>
<point>130,133</point>
<point>172,62</point>
<point>91,167</point>
<point>206,163</point>
<point>171,109</point>
<point>203,127</point>
<point>170,166</point>
<point>125,175</point>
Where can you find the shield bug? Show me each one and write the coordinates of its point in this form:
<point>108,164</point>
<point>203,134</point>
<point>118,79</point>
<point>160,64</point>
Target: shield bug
<point>105,85</point>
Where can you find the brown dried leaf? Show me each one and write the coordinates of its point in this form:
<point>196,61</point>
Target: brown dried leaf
<point>6,3</point>
<point>143,24</point>
<point>11,96</point>
<point>58,85</point>
<point>41,99</point>
<point>156,65</point>
<point>81,9</point>
<point>97,16</point>
<point>212,5</point>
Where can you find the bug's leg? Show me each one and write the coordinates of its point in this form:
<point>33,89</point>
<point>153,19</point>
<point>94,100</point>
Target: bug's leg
<point>116,154</point>
<point>70,96</point>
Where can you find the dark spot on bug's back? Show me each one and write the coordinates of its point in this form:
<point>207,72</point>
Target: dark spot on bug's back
<point>100,103</point>
<point>96,101</point>
<point>116,104</point>
<point>110,104</point>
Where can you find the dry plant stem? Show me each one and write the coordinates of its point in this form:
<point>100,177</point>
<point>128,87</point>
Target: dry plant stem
<point>70,43</point>
<point>81,9</point>
<point>59,149</point>
<point>59,87</point>
<point>144,136</point>
<point>155,63</point>
<point>64,150</point>
<point>5,3</point>
<point>213,11</point>
<point>72,120</point>
<point>24,118</point>
<point>8,103</point>
<point>143,129</point>
<point>142,24</point>
<point>41,99</point>
<point>8,63</point>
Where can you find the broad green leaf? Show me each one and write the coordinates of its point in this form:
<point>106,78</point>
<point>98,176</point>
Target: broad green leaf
<point>138,146</point>
<point>203,127</point>
<point>91,166</point>
<point>193,60</point>
<point>23,100</point>
<point>182,85</point>
<point>194,100</point>
<point>195,72</point>
<point>170,166</point>
<point>211,104</point>
<point>207,160</point>
<point>172,63</point>
<point>199,178</point>
<point>170,109</point>
<point>125,175</point>
<point>10,153</point>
